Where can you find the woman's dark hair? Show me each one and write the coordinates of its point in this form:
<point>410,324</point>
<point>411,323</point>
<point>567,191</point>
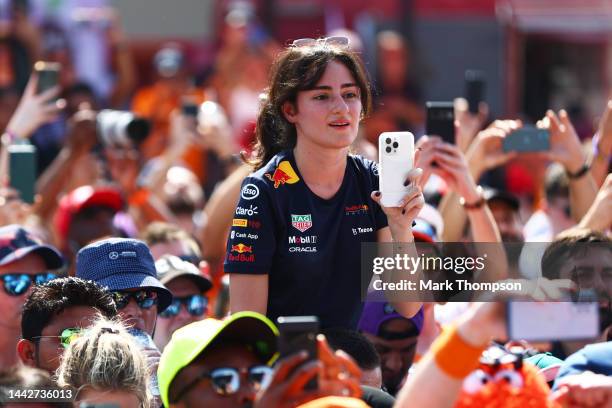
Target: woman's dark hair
<point>298,69</point>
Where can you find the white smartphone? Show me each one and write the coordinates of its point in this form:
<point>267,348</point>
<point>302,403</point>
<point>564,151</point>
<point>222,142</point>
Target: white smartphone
<point>395,160</point>
<point>545,321</point>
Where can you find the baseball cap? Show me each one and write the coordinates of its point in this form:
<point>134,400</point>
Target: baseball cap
<point>81,198</point>
<point>170,267</point>
<point>376,313</point>
<point>491,194</point>
<point>16,242</point>
<point>188,342</point>
<point>121,264</point>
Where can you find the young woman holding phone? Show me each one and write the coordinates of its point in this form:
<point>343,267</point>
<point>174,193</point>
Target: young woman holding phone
<point>302,215</point>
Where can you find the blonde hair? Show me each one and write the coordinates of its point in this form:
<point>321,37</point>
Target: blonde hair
<point>106,358</point>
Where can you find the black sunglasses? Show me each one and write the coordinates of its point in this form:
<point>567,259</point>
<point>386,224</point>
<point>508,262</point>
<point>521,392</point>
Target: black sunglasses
<point>196,305</point>
<point>16,284</point>
<point>226,380</point>
<point>145,299</point>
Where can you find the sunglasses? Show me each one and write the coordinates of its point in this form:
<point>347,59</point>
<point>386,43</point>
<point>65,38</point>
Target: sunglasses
<point>196,305</point>
<point>341,42</point>
<point>226,380</point>
<point>16,284</point>
<point>66,337</point>
<point>145,299</point>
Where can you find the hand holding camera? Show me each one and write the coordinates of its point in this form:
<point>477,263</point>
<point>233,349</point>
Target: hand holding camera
<point>486,152</point>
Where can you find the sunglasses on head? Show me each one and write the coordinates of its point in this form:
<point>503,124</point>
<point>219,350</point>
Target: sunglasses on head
<point>341,42</point>
<point>66,337</point>
<point>145,299</point>
<point>226,380</point>
<point>16,284</point>
<point>196,305</point>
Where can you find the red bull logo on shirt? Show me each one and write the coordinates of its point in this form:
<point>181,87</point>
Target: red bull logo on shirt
<point>283,174</point>
<point>301,222</point>
<point>241,249</point>
<point>356,209</point>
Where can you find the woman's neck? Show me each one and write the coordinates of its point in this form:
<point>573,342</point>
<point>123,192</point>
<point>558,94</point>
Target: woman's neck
<point>322,169</point>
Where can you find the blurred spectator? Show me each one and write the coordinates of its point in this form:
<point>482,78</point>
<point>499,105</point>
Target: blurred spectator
<point>84,215</point>
<point>505,209</point>
<point>28,378</point>
<point>157,101</point>
<point>189,299</point>
<point>167,239</point>
<point>183,196</point>
<point>594,358</point>
<point>54,314</point>
<point>106,366</point>
<point>395,338</point>
<point>24,262</point>
<point>545,224</point>
<point>361,350</point>
<point>398,105</point>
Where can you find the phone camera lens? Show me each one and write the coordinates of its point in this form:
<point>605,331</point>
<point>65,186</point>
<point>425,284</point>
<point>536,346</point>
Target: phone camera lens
<point>395,144</point>
<point>388,140</point>
<point>388,149</point>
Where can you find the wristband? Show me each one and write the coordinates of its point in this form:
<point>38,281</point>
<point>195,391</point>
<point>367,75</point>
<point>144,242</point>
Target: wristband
<point>476,205</point>
<point>454,355</point>
<point>581,171</point>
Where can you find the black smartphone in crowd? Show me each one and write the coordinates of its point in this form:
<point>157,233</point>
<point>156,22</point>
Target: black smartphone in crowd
<point>527,139</point>
<point>296,334</point>
<point>474,89</point>
<point>22,170</point>
<point>441,120</point>
<point>189,107</point>
<point>48,75</point>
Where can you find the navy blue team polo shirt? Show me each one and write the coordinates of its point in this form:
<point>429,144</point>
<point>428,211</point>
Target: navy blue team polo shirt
<point>310,247</point>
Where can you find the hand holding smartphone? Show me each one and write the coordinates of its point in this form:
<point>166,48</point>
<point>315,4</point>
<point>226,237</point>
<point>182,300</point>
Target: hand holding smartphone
<point>441,120</point>
<point>22,170</point>
<point>296,334</point>
<point>48,75</point>
<point>527,139</point>
<point>395,160</point>
<point>474,89</point>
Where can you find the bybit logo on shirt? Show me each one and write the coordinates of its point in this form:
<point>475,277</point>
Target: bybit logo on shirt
<point>356,209</point>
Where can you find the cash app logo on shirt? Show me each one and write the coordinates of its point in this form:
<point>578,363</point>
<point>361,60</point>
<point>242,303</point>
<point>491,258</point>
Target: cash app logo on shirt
<point>301,222</point>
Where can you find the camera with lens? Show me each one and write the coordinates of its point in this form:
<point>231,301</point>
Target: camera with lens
<point>121,128</point>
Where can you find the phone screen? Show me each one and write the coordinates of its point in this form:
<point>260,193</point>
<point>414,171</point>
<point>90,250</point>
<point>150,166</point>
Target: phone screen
<point>545,321</point>
<point>299,333</point>
<point>48,75</point>
<point>474,89</point>
<point>22,170</point>
<point>527,139</point>
<point>441,120</point>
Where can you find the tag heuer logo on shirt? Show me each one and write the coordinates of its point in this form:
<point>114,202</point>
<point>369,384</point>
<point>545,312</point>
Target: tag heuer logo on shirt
<point>301,222</point>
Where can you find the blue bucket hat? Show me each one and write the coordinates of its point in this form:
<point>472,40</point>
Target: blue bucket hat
<point>121,264</point>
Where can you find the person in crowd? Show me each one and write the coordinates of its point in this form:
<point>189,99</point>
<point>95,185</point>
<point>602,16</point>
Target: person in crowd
<point>395,339</point>
<point>24,262</point>
<point>546,223</point>
<point>168,239</point>
<point>361,350</point>
<point>54,313</point>
<point>85,215</point>
<point>27,378</point>
<point>126,267</point>
<point>189,296</point>
<point>226,363</point>
<point>105,365</point>
<point>599,216</point>
<point>293,227</point>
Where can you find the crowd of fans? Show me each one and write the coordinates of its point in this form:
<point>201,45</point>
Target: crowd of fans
<point>156,256</point>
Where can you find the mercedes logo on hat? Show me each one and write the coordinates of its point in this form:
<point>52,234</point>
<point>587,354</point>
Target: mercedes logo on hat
<point>113,255</point>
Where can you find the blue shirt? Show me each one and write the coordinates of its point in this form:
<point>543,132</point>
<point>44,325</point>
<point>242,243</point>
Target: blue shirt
<point>594,357</point>
<point>309,246</point>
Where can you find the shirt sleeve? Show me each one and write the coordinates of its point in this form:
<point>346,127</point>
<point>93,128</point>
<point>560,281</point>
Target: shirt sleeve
<point>379,216</point>
<point>577,363</point>
<point>251,243</point>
